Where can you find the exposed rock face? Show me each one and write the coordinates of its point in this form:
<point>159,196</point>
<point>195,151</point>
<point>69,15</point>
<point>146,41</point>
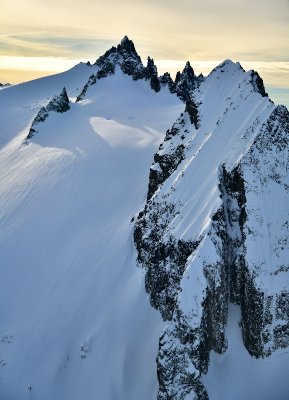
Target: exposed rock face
<point>166,80</point>
<point>211,206</point>
<point>151,73</point>
<point>91,81</point>
<point>258,84</point>
<point>265,321</point>
<point>167,160</point>
<point>59,104</point>
<point>123,55</point>
<point>185,82</point>
<point>165,262</point>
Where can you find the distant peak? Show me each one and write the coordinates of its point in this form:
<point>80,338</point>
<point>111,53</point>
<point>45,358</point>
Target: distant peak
<point>125,40</point>
<point>127,45</point>
<point>228,68</point>
<point>228,65</point>
<point>123,56</point>
<point>123,50</point>
<point>188,70</point>
<point>188,65</point>
<point>227,62</point>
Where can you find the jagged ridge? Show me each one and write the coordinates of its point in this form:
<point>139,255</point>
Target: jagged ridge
<point>59,104</point>
<point>127,59</point>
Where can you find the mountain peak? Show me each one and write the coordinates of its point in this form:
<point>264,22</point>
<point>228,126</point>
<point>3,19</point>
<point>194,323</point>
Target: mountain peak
<point>186,82</point>
<point>188,69</point>
<point>125,40</point>
<point>127,45</point>
<point>125,56</point>
<point>228,66</point>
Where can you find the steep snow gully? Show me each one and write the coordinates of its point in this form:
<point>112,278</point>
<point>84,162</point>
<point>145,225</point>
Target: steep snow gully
<point>104,215</point>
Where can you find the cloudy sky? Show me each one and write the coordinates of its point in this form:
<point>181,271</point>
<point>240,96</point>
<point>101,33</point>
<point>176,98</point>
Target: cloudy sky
<point>39,37</point>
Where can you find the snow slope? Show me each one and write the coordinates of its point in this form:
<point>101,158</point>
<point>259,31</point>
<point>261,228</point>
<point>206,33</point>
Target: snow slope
<point>75,319</point>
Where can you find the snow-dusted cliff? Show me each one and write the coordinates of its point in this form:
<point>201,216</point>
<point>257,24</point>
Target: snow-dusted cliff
<point>92,188</point>
<point>214,229</point>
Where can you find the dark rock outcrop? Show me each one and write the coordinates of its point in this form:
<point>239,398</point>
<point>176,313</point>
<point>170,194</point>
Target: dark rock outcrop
<point>59,104</point>
<point>4,85</point>
<point>258,84</point>
<point>124,56</point>
<point>166,80</point>
<point>185,83</point>
<point>151,74</point>
<point>172,151</point>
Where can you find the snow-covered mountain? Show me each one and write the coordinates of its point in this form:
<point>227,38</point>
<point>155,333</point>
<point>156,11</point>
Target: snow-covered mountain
<point>143,217</point>
<point>218,211</point>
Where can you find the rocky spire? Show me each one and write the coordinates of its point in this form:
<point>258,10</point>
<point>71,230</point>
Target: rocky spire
<point>185,82</point>
<point>151,73</point>
<point>125,56</point>
<point>127,48</point>
<point>188,72</point>
<point>59,104</point>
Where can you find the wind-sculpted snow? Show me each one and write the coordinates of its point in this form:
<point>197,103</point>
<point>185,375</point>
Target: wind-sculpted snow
<point>218,186</point>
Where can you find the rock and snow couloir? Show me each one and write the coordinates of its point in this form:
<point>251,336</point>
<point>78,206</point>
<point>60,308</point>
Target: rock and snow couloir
<point>213,231</point>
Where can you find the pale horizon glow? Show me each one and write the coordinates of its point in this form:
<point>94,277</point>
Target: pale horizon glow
<point>266,69</point>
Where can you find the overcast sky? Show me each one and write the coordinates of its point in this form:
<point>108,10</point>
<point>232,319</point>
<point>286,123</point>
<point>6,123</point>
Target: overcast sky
<point>59,33</point>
